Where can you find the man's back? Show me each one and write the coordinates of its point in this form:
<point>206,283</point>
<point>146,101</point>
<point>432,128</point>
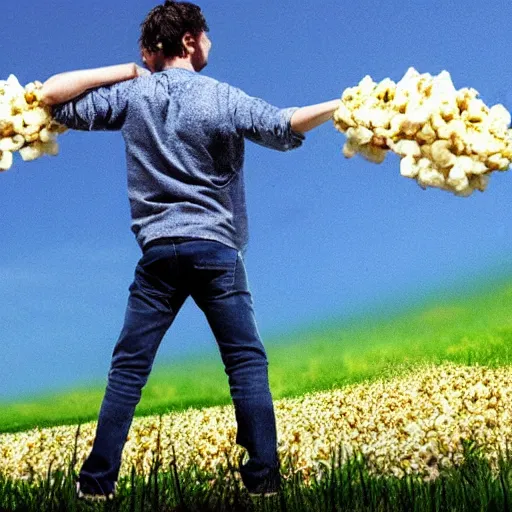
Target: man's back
<point>184,135</point>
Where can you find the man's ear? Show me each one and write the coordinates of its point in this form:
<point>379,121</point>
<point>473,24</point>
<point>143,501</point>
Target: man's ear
<point>189,43</point>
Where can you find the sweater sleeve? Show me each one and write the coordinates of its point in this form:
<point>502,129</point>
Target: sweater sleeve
<point>261,122</point>
<point>103,108</point>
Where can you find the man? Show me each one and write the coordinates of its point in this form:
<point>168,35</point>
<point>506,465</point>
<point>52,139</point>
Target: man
<point>184,136</point>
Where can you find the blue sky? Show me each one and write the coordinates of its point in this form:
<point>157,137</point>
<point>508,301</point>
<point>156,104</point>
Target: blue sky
<point>329,237</point>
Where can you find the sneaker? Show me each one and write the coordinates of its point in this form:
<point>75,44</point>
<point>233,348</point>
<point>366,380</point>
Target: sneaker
<point>265,494</point>
<point>92,497</point>
<point>270,486</point>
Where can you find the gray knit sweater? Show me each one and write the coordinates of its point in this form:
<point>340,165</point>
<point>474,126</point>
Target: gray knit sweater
<point>184,135</point>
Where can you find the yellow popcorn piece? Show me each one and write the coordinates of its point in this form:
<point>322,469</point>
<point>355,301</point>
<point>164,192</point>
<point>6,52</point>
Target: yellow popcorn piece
<point>408,167</point>
<point>360,135</point>
<point>464,96</point>
<point>499,120</point>
<point>363,116</point>
<point>454,128</point>
<point>407,148</point>
<point>396,124</point>
<point>428,176</point>
<point>31,152</point>
<point>443,87</point>
<point>466,192</point>
<point>343,117</point>
<point>381,118</point>
<point>427,134</point>
<point>17,123</point>
<point>12,143</point>
<point>441,154</point>
<point>385,90</point>
<point>479,168</point>
<point>415,118</point>
<point>437,122</point>
<point>457,177</point>
<point>5,160</point>
<point>469,166</point>
<point>5,112</point>
<point>46,136</point>
<point>37,116</point>
<point>476,111</point>
<point>350,149</point>
<point>366,86</point>
<point>373,154</point>
<point>19,104</point>
<point>56,127</point>
<point>30,129</point>
<point>497,163</point>
<point>50,148</point>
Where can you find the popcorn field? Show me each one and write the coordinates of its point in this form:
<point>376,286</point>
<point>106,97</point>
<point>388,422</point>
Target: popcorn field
<point>26,124</point>
<point>446,138</point>
<point>413,424</point>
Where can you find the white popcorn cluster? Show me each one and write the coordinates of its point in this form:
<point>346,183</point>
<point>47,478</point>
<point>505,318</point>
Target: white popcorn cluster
<point>413,424</point>
<point>446,138</point>
<point>26,124</point>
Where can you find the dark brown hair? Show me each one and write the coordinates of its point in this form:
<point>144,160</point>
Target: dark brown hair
<point>165,26</point>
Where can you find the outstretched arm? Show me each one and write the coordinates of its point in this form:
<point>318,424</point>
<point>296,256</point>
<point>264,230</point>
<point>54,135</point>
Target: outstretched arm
<point>307,118</point>
<point>280,129</point>
<point>67,86</point>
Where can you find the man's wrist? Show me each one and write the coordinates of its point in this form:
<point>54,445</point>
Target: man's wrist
<point>132,70</point>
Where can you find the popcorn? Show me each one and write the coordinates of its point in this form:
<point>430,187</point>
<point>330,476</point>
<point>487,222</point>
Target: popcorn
<point>36,116</point>
<point>32,152</point>
<point>26,125</point>
<point>407,148</point>
<point>361,134</point>
<point>373,153</point>
<point>5,160</point>
<point>441,154</point>
<point>409,424</point>
<point>446,138</point>
<point>408,167</point>
<point>12,143</point>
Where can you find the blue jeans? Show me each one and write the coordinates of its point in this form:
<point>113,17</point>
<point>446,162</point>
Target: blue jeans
<point>214,275</point>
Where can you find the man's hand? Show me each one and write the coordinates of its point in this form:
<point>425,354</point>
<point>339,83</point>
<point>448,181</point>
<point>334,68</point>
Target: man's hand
<point>140,71</point>
<point>307,118</point>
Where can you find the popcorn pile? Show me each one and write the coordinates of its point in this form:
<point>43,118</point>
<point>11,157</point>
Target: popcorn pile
<point>446,138</point>
<point>413,424</point>
<point>26,124</point>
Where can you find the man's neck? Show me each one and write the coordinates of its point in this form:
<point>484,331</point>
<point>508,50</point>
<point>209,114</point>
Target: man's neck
<point>179,62</point>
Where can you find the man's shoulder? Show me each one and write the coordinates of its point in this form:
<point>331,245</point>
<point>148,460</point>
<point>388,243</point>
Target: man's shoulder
<point>206,79</point>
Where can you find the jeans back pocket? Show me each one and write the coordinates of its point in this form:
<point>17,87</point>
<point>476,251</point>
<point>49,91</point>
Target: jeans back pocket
<point>214,266</point>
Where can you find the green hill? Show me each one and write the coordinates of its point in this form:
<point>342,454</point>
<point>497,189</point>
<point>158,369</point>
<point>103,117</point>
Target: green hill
<point>466,325</point>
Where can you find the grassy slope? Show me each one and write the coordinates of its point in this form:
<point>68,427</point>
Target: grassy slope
<point>476,327</point>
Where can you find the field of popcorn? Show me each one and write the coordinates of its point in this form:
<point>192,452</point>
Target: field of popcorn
<point>414,424</point>
<point>403,396</point>
<point>456,387</point>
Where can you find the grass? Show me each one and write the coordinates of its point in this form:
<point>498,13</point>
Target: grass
<point>473,328</point>
<point>349,487</point>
